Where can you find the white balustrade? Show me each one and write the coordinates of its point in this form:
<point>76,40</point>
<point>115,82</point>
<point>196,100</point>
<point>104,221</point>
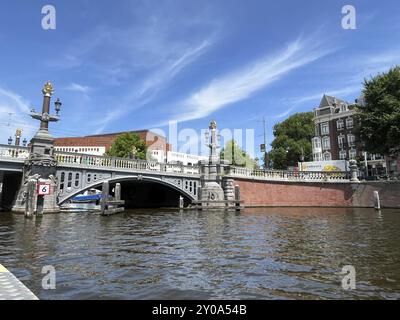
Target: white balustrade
<point>121,163</point>
<point>287,175</point>
<point>16,152</point>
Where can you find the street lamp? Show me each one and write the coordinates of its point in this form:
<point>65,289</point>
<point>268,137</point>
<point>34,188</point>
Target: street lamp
<point>24,142</point>
<point>10,140</point>
<point>57,105</point>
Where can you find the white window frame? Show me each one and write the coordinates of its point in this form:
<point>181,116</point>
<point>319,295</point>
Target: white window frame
<point>316,143</point>
<point>341,140</point>
<point>351,139</point>
<point>326,143</point>
<point>352,153</point>
<point>341,122</point>
<point>349,120</point>
<point>317,156</point>
<point>317,130</point>
<point>327,153</point>
<point>325,128</point>
<point>342,154</point>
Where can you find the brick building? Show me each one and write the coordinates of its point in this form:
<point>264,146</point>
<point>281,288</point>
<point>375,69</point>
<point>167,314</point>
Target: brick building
<point>99,144</point>
<point>336,138</point>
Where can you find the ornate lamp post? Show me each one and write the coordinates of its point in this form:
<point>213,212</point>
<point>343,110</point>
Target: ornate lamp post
<point>213,144</point>
<point>18,134</point>
<point>10,140</point>
<point>45,116</point>
<point>211,193</point>
<point>38,192</point>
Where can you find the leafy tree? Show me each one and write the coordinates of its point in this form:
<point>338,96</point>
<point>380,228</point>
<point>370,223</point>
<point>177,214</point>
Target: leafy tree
<point>292,140</point>
<point>379,115</point>
<point>237,156</point>
<point>128,145</point>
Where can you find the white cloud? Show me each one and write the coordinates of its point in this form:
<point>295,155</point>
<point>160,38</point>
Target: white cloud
<point>243,83</point>
<point>317,96</point>
<point>79,88</point>
<point>159,79</point>
<point>154,83</point>
<point>14,114</point>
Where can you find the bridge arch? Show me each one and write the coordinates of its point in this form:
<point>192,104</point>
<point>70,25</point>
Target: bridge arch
<point>170,183</point>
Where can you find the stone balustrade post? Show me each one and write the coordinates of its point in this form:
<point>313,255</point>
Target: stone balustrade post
<point>353,171</point>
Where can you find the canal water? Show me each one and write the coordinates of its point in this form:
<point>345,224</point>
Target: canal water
<point>268,253</point>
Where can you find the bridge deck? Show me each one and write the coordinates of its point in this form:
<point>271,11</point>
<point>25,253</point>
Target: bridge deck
<point>13,289</point>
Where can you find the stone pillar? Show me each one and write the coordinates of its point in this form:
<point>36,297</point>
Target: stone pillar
<point>229,189</point>
<point>377,201</point>
<point>353,171</point>
<point>1,186</point>
<point>104,196</point>
<point>30,198</point>
<point>117,192</point>
<point>41,164</point>
<point>181,202</point>
<point>212,194</point>
<point>237,193</point>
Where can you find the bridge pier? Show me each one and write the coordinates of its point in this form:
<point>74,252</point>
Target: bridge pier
<point>1,186</point>
<point>41,167</point>
<point>216,192</point>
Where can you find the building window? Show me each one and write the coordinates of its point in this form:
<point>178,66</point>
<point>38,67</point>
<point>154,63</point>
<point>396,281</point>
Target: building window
<point>351,139</point>
<point>326,144</point>
<point>341,141</point>
<point>349,123</point>
<point>352,153</point>
<point>327,156</point>
<point>342,154</point>
<point>317,130</point>
<point>325,128</point>
<point>316,144</point>
<point>317,156</point>
<point>340,124</point>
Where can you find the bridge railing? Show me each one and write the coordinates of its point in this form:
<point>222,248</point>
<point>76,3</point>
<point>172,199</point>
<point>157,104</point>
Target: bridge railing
<point>122,163</point>
<point>16,152</point>
<point>288,175</point>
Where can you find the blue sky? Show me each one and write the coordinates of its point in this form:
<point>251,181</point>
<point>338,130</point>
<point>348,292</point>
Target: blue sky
<point>123,65</point>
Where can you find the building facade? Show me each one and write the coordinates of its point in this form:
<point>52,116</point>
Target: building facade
<point>336,137</point>
<point>157,145</point>
<point>99,144</point>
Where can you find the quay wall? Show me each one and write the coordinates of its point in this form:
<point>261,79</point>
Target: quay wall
<point>318,194</point>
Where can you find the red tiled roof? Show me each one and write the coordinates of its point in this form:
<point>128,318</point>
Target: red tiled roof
<point>153,140</point>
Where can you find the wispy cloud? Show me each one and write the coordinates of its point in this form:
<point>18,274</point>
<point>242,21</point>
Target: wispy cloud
<point>14,111</point>
<point>159,79</point>
<point>316,96</point>
<point>243,83</point>
<point>79,88</point>
<point>155,82</point>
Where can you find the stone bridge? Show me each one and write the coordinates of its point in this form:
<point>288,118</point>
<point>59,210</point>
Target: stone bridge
<point>212,184</point>
<point>76,173</point>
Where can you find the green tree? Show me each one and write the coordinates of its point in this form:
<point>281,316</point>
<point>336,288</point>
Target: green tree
<point>128,145</point>
<point>379,115</point>
<point>236,156</point>
<point>292,140</point>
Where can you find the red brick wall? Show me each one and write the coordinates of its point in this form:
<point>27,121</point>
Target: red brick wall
<point>281,194</point>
